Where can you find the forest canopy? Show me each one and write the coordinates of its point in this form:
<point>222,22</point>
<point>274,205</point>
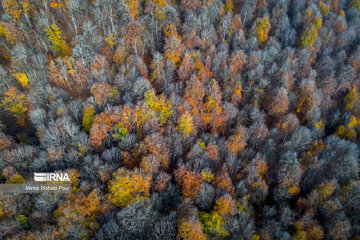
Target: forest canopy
<point>181,119</point>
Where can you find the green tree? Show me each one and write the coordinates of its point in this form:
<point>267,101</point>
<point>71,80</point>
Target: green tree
<point>213,224</point>
<point>121,132</point>
<point>88,118</point>
<point>22,219</point>
<point>308,37</point>
<point>355,4</point>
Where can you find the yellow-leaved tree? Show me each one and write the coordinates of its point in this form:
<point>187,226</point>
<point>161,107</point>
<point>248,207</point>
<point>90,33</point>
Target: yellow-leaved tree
<point>191,229</point>
<point>128,186</point>
<point>351,99</point>
<point>16,103</point>
<point>185,124</point>
<point>22,79</point>
<point>355,4</point>
<point>133,8</point>
<point>58,44</point>
<point>88,118</point>
<point>159,105</point>
<point>262,29</point>
<point>13,8</point>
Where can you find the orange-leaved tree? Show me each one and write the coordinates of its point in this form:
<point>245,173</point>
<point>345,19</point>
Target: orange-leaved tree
<point>101,126</point>
<point>188,181</point>
<point>102,92</point>
<point>190,229</point>
<point>225,206</point>
<point>237,141</point>
<point>78,215</point>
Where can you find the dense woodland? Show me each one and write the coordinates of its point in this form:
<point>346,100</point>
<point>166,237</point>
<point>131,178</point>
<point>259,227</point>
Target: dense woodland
<point>181,119</point>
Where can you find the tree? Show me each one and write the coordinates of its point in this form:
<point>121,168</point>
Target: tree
<point>58,44</point>
<point>237,94</point>
<point>121,132</point>
<point>133,34</point>
<point>279,102</point>
<point>185,124</point>
<point>351,99</point>
<point>308,37</point>
<point>162,181</point>
<point>12,35</point>
<point>157,66</point>
<point>152,152</point>
<point>310,33</point>
<point>339,159</point>
<point>22,79</point>
<point>262,29</point>
<point>344,132</point>
<point>5,142</point>
<point>306,227</point>
<point>77,216</point>
<point>290,172</point>
<point>165,228</point>
<point>13,8</point>
<point>188,181</point>
<point>207,175</point>
<point>133,8</point>
<point>237,63</point>
<point>223,181</point>
<point>213,114</point>
<point>137,219</point>
<point>324,9</point>
<point>256,177</point>
<point>127,187</point>
<point>212,150</point>
<point>159,105</point>
<point>15,178</point>
<point>88,117</point>
<point>102,92</point>
<point>355,4</point>
<point>120,55</point>
<point>194,94</point>
<point>173,45</point>
<point>187,5</point>
<point>213,224</point>
<point>225,206</point>
<point>101,126</point>
<point>307,98</point>
<point>191,229</point>
<point>16,103</point>
<point>237,141</point>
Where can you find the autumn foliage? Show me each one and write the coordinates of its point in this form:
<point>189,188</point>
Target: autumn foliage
<point>181,119</point>
<point>188,181</point>
<point>127,187</point>
<point>16,103</point>
<point>262,29</point>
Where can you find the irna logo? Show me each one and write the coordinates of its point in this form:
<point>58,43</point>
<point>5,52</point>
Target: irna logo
<point>51,177</point>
